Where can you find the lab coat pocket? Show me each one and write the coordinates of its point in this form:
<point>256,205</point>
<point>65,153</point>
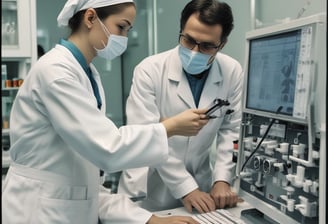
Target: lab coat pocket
<point>62,203</point>
<point>54,211</point>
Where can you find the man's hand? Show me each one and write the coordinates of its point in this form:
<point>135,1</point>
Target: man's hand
<point>199,200</point>
<point>223,196</point>
<point>171,220</point>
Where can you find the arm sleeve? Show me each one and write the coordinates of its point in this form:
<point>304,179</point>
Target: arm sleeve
<point>118,208</point>
<point>73,114</point>
<point>142,108</point>
<point>176,177</point>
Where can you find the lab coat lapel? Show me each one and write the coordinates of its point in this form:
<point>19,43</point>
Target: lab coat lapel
<point>184,92</point>
<point>211,88</point>
<point>176,74</point>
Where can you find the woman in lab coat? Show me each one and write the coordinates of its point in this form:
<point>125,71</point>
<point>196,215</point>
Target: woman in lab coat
<point>193,74</point>
<point>60,135</point>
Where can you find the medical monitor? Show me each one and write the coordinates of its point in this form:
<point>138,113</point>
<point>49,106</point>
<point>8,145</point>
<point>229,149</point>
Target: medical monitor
<point>279,70</point>
<point>285,71</point>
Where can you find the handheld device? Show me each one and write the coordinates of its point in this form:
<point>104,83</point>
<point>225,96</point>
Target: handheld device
<point>217,104</point>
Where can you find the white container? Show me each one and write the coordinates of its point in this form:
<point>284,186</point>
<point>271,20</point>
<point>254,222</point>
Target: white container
<point>3,75</point>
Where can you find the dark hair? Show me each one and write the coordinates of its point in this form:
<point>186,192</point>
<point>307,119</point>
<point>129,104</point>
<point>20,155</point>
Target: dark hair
<point>41,51</point>
<point>102,12</point>
<point>211,12</point>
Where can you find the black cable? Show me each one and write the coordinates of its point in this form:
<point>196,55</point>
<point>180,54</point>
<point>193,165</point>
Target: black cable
<point>263,137</point>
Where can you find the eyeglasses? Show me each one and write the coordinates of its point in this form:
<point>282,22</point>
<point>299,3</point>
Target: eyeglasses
<point>204,47</point>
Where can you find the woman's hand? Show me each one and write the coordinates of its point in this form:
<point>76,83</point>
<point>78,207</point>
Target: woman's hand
<point>187,123</point>
<point>171,220</point>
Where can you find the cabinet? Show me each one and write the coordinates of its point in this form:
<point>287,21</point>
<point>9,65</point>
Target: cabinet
<point>19,52</point>
<point>18,28</point>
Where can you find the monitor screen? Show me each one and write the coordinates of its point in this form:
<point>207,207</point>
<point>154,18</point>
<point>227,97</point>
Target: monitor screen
<point>272,72</point>
<point>278,72</point>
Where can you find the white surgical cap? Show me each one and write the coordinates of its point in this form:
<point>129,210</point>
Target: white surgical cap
<point>73,6</point>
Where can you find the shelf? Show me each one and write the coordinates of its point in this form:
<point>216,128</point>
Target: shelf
<point>10,89</point>
<point>6,161</point>
<point>18,54</point>
<point>5,131</point>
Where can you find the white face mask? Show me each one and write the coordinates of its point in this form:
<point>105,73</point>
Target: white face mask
<point>194,62</point>
<point>116,44</point>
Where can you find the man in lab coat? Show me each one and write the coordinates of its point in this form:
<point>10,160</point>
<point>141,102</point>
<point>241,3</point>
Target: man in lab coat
<point>192,75</point>
<point>60,136</point>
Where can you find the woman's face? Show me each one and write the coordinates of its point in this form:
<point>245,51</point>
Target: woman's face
<point>118,24</point>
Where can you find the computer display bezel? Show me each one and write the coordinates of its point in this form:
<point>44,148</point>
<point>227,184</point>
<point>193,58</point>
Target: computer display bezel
<point>273,31</point>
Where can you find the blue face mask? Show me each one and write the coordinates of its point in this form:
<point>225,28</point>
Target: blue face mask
<point>193,62</point>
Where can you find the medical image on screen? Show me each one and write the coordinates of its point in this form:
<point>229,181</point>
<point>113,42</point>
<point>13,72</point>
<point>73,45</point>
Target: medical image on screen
<point>272,72</point>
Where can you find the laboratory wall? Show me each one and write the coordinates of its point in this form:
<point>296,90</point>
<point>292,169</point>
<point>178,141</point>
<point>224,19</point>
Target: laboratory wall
<point>269,12</point>
<point>254,14</point>
<point>156,29</point>
<point>265,13</point>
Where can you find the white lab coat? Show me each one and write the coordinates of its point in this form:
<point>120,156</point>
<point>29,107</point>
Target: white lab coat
<point>60,140</point>
<point>159,90</point>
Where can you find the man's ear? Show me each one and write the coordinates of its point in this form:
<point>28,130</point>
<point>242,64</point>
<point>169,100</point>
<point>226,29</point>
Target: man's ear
<point>223,44</point>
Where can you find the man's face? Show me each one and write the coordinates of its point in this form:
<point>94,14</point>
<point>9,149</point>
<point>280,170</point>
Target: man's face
<point>202,33</point>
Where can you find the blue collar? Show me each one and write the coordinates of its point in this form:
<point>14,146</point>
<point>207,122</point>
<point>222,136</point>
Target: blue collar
<point>77,54</point>
<point>80,58</point>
